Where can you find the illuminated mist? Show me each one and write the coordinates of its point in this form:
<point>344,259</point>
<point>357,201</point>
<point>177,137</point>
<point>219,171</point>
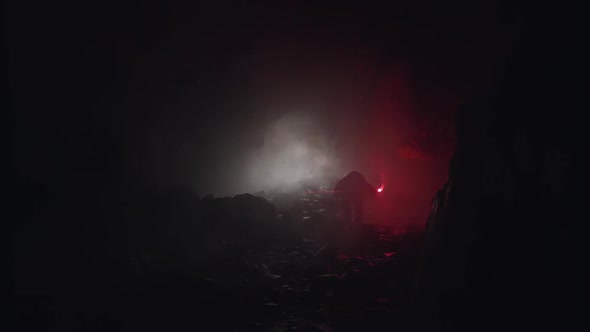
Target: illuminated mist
<point>295,148</point>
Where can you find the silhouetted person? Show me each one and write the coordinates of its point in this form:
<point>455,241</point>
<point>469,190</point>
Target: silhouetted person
<point>353,190</point>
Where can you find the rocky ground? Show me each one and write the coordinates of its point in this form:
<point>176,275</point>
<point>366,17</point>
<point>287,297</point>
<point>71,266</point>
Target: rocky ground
<point>283,260</point>
<point>333,277</point>
<point>317,287</point>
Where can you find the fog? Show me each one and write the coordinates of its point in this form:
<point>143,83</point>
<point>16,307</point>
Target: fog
<point>305,112</point>
<point>295,148</point>
<point>223,105</point>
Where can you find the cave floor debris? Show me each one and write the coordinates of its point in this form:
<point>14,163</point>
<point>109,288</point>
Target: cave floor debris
<point>333,278</point>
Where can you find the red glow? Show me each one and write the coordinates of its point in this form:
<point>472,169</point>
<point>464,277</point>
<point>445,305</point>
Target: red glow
<point>380,189</point>
<point>342,257</point>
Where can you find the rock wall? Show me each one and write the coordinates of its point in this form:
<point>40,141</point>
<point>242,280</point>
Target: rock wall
<point>506,237</point>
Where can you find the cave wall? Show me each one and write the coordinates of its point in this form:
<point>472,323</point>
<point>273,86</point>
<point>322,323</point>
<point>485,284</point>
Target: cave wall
<point>506,240</point>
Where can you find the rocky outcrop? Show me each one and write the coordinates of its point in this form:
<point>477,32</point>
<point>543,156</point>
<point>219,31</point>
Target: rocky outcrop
<point>504,240</point>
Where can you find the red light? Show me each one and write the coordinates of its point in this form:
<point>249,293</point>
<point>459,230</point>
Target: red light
<point>380,189</point>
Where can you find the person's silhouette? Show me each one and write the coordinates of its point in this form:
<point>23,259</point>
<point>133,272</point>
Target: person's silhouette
<point>353,190</point>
